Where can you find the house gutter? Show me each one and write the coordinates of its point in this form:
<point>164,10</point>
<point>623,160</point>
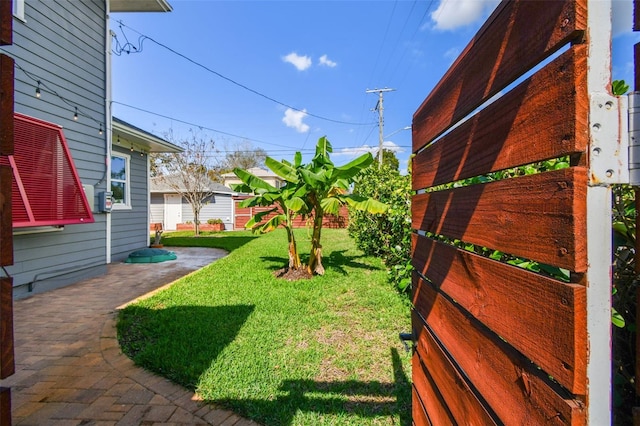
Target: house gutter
<point>108,124</point>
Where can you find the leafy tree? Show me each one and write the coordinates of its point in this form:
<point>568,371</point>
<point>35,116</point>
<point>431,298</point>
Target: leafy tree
<point>313,189</point>
<point>389,159</point>
<point>325,188</point>
<point>287,200</point>
<point>186,172</point>
<point>387,235</point>
<point>242,155</point>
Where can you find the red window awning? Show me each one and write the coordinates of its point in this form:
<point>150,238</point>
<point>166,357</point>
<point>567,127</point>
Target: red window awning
<point>46,189</point>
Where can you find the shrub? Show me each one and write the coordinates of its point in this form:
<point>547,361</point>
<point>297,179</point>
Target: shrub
<point>214,221</point>
<point>385,235</point>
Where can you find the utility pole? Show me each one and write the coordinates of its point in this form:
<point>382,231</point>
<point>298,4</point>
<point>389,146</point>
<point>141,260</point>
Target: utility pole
<point>380,108</point>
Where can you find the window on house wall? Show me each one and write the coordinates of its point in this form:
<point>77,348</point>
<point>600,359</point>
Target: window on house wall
<point>18,9</point>
<point>120,182</point>
<point>46,189</point>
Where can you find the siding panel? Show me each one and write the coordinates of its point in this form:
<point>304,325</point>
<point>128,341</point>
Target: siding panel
<point>62,44</point>
<point>129,228</point>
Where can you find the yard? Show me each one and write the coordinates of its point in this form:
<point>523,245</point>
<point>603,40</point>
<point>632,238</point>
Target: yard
<point>323,351</point>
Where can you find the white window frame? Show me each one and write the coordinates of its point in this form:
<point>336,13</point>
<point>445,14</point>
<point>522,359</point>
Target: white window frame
<point>18,10</point>
<point>126,205</point>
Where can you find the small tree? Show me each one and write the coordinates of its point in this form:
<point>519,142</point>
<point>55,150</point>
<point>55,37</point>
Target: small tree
<point>325,188</point>
<point>286,198</point>
<point>317,188</point>
<point>186,173</point>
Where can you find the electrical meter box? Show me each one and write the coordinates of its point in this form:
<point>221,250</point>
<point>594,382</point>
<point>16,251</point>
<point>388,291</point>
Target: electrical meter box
<point>105,201</point>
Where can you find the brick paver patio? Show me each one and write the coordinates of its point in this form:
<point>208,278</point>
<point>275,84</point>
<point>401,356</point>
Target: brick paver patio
<point>69,367</point>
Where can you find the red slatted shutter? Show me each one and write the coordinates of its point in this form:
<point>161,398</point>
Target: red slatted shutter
<point>46,188</point>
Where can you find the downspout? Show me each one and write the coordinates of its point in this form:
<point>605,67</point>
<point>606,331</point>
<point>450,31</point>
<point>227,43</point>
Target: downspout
<point>148,230</point>
<point>108,123</point>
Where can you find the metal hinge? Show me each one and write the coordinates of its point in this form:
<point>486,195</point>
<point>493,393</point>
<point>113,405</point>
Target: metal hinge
<point>633,131</point>
<point>609,149</point>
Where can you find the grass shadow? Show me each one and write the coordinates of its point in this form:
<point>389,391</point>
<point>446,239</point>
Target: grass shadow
<point>228,241</point>
<point>335,260</point>
<point>349,398</point>
<point>161,340</point>
<point>338,261</point>
<point>275,263</point>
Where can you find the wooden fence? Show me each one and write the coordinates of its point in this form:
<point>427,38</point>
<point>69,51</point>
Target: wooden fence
<point>242,215</point>
<point>497,343</point>
<point>7,362</point>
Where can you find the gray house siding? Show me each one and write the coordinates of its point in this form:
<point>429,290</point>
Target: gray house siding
<point>129,228</point>
<point>62,44</point>
<point>156,208</point>
<point>219,206</point>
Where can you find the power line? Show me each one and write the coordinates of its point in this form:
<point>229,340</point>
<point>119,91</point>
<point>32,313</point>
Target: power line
<point>199,126</point>
<point>230,80</point>
<point>43,87</point>
<point>413,36</point>
<point>380,109</point>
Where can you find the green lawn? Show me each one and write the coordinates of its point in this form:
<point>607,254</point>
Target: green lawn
<point>323,351</point>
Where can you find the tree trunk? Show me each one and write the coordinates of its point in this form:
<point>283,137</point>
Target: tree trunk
<point>294,258</point>
<point>315,257</point>
<point>196,222</point>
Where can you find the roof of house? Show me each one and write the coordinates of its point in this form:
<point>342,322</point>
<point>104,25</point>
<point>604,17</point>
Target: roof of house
<point>129,135</point>
<point>159,185</point>
<point>256,171</point>
<point>139,6</point>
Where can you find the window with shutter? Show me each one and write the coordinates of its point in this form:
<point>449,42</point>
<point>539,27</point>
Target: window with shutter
<point>46,189</point>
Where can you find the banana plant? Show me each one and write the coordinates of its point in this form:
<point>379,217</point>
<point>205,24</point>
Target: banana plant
<point>326,189</point>
<point>287,202</point>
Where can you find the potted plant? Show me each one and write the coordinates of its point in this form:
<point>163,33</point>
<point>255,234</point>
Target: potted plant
<point>216,224</point>
<point>156,241</point>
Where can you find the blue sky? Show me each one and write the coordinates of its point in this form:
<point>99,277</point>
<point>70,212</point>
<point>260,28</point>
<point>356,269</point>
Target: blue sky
<point>281,74</point>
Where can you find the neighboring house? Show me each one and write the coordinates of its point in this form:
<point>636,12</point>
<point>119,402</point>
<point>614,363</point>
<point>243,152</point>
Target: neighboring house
<point>266,175</point>
<point>168,207</point>
<point>64,161</point>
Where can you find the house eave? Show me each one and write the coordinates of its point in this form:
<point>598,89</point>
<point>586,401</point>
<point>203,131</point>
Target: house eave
<point>129,136</point>
<point>140,6</point>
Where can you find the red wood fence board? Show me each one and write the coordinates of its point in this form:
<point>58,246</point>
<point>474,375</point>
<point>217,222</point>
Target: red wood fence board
<point>244,214</point>
<point>517,36</point>
<point>464,406</point>
<point>514,389</point>
<point>522,307</point>
<point>6,22</point>
<point>533,122</point>
<point>539,217</point>
<point>6,222</point>
<point>7,362</point>
<point>5,406</point>
<point>6,104</point>
<point>432,403</point>
<point>418,413</point>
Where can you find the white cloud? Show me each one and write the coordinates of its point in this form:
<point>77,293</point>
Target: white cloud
<point>300,62</point>
<point>452,14</point>
<point>294,119</point>
<point>392,146</point>
<point>324,60</point>
<point>386,145</point>
<point>356,151</point>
